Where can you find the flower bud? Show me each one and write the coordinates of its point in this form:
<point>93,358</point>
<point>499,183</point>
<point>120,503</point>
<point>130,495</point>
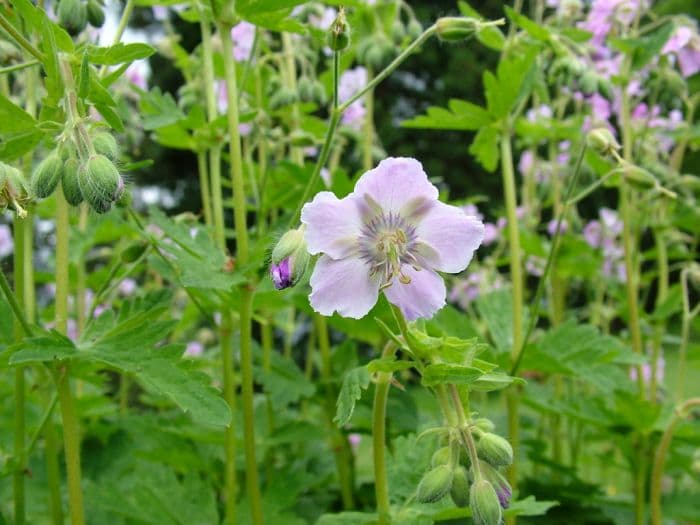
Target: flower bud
<point>495,449</point>
<point>588,82</point>
<point>486,509</point>
<point>72,15</point>
<point>499,482</point>
<point>69,182</point>
<point>47,175</point>
<point>398,32</point>
<point>602,141</point>
<point>99,182</point>
<point>318,93</point>
<point>301,139</point>
<point>435,484</point>
<point>454,29</point>
<point>441,456</point>
<point>289,259</point>
<point>283,97</point>
<point>638,177</point>
<point>459,492</point>
<point>484,424</point>
<point>13,190</point>
<point>338,36</point>
<point>305,88</point>
<point>95,13</point>
<point>105,144</point>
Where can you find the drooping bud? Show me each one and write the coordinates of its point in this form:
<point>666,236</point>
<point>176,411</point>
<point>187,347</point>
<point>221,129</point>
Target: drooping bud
<point>318,93</point>
<point>588,82</point>
<point>283,97</point>
<point>495,449</point>
<point>13,189</point>
<point>486,509</point>
<point>499,482</point>
<point>338,36</point>
<point>69,182</point>
<point>398,32</point>
<point>484,424</point>
<point>289,259</point>
<point>105,144</point>
<point>602,141</point>
<point>441,456</point>
<point>305,88</point>
<point>638,177</point>
<point>47,175</point>
<point>459,492</point>
<point>435,484</point>
<point>414,29</point>
<point>456,28</point>
<point>100,182</point>
<point>95,13</point>
<point>72,15</point>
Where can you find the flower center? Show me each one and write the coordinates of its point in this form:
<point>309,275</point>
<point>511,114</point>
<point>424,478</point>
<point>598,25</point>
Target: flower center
<point>387,242</point>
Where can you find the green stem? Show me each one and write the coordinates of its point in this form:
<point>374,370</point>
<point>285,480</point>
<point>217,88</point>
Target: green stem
<point>660,458</point>
<point>18,67</point>
<point>53,471</point>
<point>368,125</point>
<point>231,486</point>
<point>381,485</point>
<point>339,444</point>
<point>204,189</point>
<point>14,305</point>
<point>290,77</point>
<point>465,432</point>
<point>661,295</point>
<point>19,419</point>
<point>246,293</point>
<point>23,42</point>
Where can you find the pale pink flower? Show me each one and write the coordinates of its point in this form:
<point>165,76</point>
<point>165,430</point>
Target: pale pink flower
<point>492,232</point>
<point>390,234</point>
<point>685,45</point>
<point>137,73</point>
<point>325,20</point>
<point>552,227</point>
<point>243,36</point>
<point>194,349</point>
<point>127,287</point>
<point>352,81</point>
<point>464,291</point>
<point>7,245</point>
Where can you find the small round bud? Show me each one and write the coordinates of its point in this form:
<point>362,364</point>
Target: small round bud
<point>588,82</point>
<point>499,482</point>
<point>414,29</point>
<point>602,141</point>
<point>639,177</point>
<point>435,484</point>
<point>69,182</point>
<point>283,97</point>
<point>72,15</point>
<point>95,13</point>
<point>338,36</point>
<point>305,88</point>
<point>459,492</point>
<point>486,509</point>
<point>318,93</point>
<point>47,175</point>
<point>484,424</point>
<point>289,259</point>
<point>398,32</point>
<point>105,144</point>
<point>441,456</point>
<point>454,29</point>
<point>100,182</point>
<point>495,449</point>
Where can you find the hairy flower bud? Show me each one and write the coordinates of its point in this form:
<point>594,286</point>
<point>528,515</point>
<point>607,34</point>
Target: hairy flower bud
<point>459,492</point>
<point>486,509</point>
<point>69,182</point>
<point>47,175</point>
<point>289,259</point>
<point>398,32</point>
<point>588,82</point>
<point>72,15</point>
<point>414,29</point>
<point>441,456</point>
<point>105,144</point>
<point>338,36</point>
<point>13,190</point>
<point>484,424</point>
<point>283,97</point>
<point>454,29</point>
<point>100,182</point>
<point>499,482</point>
<point>318,93</point>
<point>639,177</point>
<point>305,89</point>
<point>435,484</point>
<point>95,13</point>
<point>602,141</point>
<point>495,449</point>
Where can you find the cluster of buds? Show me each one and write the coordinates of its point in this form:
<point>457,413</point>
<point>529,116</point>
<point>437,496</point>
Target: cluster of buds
<point>484,488</point>
<point>569,71</point>
<point>378,50</point>
<point>289,259</point>
<point>74,15</point>
<point>13,191</point>
<point>91,177</point>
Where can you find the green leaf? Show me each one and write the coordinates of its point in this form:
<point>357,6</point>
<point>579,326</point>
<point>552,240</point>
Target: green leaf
<point>512,83</point>
<point>43,349</point>
<point>485,148</point>
<point>644,49</point>
<point>447,373</point>
<point>119,53</point>
<point>354,382</point>
<point>159,110</point>
<point>535,30</point>
<point>462,115</point>
<point>496,308</point>
<point>110,117</point>
<point>84,77</point>
<point>492,382</point>
<point>525,507</point>
<point>347,518</point>
<point>490,36</point>
<point>18,133</point>
<point>388,364</point>
<point>284,382</point>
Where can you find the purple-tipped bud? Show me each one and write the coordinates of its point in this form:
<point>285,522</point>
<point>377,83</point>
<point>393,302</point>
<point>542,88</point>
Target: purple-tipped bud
<point>281,274</point>
<point>499,482</point>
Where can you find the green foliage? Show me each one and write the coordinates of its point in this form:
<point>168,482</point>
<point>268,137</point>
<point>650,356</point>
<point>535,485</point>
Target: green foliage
<point>354,382</point>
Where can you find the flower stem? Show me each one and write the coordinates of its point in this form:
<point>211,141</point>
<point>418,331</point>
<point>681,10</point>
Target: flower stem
<point>231,486</point>
<point>381,485</point>
<point>368,125</point>
<point>660,458</point>
<point>464,431</point>
<point>17,37</point>
<point>246,292</point>
<point>204,189</point>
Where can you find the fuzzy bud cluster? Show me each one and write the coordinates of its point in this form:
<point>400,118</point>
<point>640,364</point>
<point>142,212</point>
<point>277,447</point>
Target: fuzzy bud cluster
<point>74,15</point>
<point>91,177</point>
<point>13,190</point>
<point>289,259</point>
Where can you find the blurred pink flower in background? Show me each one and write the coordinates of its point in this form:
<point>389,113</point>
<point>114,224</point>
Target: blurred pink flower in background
<point>243,36</point>
<point>7,245</point>
<point>352,81</point>
<point>194,349</point>
<point>684,44</point>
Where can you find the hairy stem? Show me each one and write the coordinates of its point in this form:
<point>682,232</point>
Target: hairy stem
<point>381,485</point>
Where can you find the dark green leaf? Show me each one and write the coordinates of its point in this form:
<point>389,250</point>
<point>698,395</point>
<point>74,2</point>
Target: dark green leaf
<point>447,373</point>
<point>354,382</point>
<point>119,53</point>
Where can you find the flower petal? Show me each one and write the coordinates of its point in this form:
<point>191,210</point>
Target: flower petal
<point>332,225</point>
<point>422,297</point>
<point>396,184</point>
<point>344,286</point>
<point>452,235</point>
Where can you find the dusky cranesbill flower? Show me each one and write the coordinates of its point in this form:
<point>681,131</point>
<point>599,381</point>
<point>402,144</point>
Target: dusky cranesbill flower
<point>391,234</point>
